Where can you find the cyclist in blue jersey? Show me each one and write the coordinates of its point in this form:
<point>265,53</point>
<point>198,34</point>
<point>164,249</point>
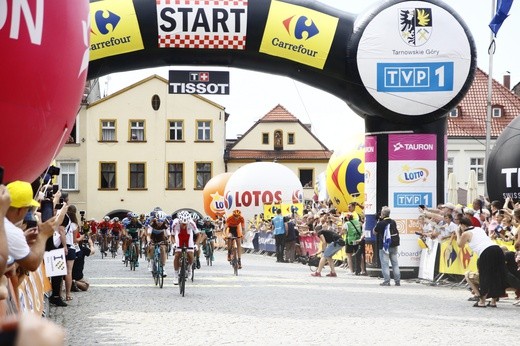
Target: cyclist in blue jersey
<point>157,232</point>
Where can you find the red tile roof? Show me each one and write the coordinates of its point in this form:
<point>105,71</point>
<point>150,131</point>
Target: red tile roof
<point>280,115</point>
<point>471,121</point>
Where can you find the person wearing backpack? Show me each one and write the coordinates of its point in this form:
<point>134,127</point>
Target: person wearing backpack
<point>387,237</point>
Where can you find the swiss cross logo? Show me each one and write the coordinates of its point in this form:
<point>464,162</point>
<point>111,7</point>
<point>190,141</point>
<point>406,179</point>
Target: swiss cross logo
<point>199,76</point>
<point>204,76</point>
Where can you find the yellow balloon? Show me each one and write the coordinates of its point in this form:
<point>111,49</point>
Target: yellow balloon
<point>346,178</point>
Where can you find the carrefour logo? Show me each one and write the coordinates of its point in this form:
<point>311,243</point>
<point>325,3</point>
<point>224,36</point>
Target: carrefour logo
<point>305,36</point>
<point>115,29</point>
<point>412,175</point>
<point>106,21</point>
<point>301,27</point>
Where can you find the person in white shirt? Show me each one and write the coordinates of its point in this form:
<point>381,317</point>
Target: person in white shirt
<point>27,248</point>
<point>447,229</point>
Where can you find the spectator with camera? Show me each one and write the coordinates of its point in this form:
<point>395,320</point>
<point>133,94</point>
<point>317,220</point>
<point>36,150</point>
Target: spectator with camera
<point>27,248</point>
<point>330,243</point>
<point>352,227</point>
<point>84,249</point>
<point>71,238</point>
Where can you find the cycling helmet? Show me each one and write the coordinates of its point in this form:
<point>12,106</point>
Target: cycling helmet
<point>237,212</point>
<point>160,215</point>
<point>184,216</point>
<point>195,217</point>
<point>129,214</point>
<point>116,219</point>
<point>134,216</point>
<point>207,219</point>
<point>106,218</point>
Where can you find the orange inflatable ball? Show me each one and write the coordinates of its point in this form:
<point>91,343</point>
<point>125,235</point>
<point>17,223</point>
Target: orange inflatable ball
<point>43,69</point>
<point>213,194</point>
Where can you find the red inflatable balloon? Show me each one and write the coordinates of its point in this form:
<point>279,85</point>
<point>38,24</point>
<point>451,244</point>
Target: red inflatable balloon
<point>43,69</point>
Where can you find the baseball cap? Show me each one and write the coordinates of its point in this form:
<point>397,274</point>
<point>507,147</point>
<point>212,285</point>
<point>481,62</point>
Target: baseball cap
<point>448,205</point>
<point>469,211</point>
<point>21,194</point>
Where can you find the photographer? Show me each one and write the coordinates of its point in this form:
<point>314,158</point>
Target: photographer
<point>330,243</point>
<point>84,249</point>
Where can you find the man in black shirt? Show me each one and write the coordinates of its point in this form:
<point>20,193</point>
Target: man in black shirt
<point>388,247</point>
<point>331,242</point>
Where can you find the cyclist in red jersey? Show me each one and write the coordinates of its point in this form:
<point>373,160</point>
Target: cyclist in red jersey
<point>104,227</point>
<point>117,228</point>
<point>234,225</point>
<point>183,230</point>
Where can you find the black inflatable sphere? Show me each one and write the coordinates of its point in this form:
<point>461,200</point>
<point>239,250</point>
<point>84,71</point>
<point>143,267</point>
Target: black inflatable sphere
<point>503,169</point>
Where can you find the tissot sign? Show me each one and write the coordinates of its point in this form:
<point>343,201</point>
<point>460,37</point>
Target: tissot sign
<point>199,82</point>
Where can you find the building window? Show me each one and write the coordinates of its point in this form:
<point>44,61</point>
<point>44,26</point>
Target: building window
<point>107,175</point>
<point>156,102</point>
<point>203,130</point>
<point>307,178</point>
<point>137,176</point>
<point>176,130</point>
<point>290,138</point>
<point>496,112</point>
<point>137,131</point>
<point>73,137</point>
<point>265,138</point>
<point>450,165</point>
<point>203,174</point>
<point>454,112</point>
<point>68,179</point>
<point>175,176</point>
<point>477,164</point>
<point>108,131</point>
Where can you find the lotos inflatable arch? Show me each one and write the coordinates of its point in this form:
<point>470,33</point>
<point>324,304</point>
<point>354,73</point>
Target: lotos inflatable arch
<point>402,65</point>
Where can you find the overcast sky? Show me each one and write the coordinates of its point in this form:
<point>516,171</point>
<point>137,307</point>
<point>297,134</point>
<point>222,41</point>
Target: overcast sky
<point>254,94</point>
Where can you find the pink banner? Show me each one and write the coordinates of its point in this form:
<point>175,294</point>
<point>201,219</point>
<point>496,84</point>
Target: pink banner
<point>370,149</point>
<point>405,147</point>
<point>309,244</point>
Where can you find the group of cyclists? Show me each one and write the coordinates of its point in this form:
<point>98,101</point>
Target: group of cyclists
<point>183,229</point>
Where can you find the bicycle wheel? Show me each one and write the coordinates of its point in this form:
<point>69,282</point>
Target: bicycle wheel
<point>160,275</point>
<point>182,275</point>
<point>193,267</point>
<point>155,271</point>
<point>133,257</point>
<point>235,262</point>
<point>102,251</point>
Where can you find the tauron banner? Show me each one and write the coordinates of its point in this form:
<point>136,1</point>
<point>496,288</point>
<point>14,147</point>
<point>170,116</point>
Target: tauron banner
<point>198,82</point>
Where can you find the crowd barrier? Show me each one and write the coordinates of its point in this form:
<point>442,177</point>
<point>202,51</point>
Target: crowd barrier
<point>452,259</point>
<point>26,294</point>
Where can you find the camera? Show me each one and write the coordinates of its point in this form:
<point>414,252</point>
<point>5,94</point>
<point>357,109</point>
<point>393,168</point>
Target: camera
<point>81,212</point>
<point>31,223</point>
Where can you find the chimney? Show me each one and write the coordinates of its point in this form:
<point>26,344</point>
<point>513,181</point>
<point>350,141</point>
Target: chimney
<point>507,81</point>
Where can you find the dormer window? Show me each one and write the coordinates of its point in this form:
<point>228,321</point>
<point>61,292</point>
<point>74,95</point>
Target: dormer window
<point>496,111</point>
<point>454,113</point>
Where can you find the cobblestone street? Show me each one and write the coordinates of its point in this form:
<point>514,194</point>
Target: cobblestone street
<point>272,303</point>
